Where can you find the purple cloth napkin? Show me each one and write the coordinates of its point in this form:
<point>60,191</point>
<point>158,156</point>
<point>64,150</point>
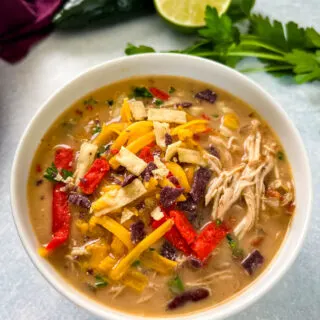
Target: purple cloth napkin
<point>23,23</point>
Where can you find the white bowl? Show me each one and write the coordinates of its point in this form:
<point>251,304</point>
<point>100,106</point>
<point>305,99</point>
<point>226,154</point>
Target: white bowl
<point>176,65</point>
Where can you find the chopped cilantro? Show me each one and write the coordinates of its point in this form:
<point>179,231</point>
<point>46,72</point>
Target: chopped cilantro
<point>100,282</point>
<point>215,115</point>
<point>172,90</point>
<point>218,222</point>
<point>136,263</point>
<point>158,102</point>
<point>66,174</point>
<point>141,92</point>
<point>51,172</point>
<point>280,155</point>
<point>90,101</point>
<point>132,49</point>
<point>176,285</point>
<point>103,149</point>
<point>96,129</point>
<point>233,244</point>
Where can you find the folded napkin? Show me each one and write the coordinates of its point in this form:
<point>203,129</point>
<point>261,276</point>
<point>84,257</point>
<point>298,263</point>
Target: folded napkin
<point>23,23</point>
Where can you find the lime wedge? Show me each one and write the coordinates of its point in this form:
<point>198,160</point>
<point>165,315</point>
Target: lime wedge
<point>188,14</point>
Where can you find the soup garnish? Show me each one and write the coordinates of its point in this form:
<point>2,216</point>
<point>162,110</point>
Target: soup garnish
<point>160,190</point>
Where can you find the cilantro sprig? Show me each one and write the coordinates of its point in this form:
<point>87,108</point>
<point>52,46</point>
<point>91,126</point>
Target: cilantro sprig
<point>52,172</point>
<point>283,49</point>
<point>176,285</point>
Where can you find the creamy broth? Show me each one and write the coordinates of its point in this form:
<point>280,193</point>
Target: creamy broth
<point>222,273</point>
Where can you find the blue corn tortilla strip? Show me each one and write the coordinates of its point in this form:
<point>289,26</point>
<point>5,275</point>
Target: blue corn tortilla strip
<point>190,295</point>
<point>200,181</point>
<point>252,262</point>
<point>137,231</point>
<point>128,178</point>
<point>214,151</point>
<point>147,172</point>
<point>168,139</point>
<point>207,95</point>
<point>79,200</point>
<point>169,195</point>
<point>168,251</point>
<point>189,207</point>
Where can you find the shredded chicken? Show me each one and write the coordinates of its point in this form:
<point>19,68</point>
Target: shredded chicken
<point>150,290</point>
<point>80,251</point>
<point>116,290</point>
<point>213,162</point>
<point>247,180</point>
<point>222,146</point>
<point>209,279</point>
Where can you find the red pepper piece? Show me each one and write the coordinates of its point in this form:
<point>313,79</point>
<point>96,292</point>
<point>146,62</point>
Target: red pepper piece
<point>208,130</point>
<point>159,93</point>
<point>60,210</point>
<point>205,117</point>
<point>63,158</point>
<point>183,225</point>
<point>94,175</point>
<point>152,144</point>
<point>173,236</point>
<point>114,151</point>
<point>208,240</point>
<point>60,217</point>
<point>146,154</point>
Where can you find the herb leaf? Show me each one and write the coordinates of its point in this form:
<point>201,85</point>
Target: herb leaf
<point>132,49</point>
<point>313,38</point>
<point>158,102</point>
<point>176,285</point>
<point>51,173</point>
<point>172,90</point>
<point>283,49</point>
<point>66,174</point>
<point>141,92</point>
<point>236,251</point>
<point>280,155</point>
<point>96,129</point>
<point>268,32</point>
<point>240,9</point>
<point>136,263</point>
<point>218,29</point>
<point>90,101</point>
<point>100,282</point>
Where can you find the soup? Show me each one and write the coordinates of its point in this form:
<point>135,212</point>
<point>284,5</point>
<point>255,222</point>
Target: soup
<point>161,191</point>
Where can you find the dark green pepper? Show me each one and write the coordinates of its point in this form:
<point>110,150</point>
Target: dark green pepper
<point>82,13</point>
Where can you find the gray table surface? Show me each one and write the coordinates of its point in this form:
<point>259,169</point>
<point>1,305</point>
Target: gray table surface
<point>24,293</point>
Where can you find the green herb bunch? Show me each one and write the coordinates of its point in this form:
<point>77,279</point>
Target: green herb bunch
<point>283,49</point>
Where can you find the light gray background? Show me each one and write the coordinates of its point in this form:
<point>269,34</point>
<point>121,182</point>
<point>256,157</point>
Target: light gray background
<point>24,293</point>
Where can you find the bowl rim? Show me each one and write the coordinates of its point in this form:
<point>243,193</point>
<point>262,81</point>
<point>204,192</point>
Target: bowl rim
<point>107,312</point>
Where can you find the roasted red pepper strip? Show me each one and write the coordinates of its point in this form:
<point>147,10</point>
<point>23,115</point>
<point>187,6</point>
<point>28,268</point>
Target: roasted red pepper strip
<point>146,154</point>
<point>94,175</point>
<point>183,225</point>
<point>173,236</point>
<point>63,158</point>
<point>157,93</point>
<point>60,217</point>
<point>60,210</point>
<point>210,236</point>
